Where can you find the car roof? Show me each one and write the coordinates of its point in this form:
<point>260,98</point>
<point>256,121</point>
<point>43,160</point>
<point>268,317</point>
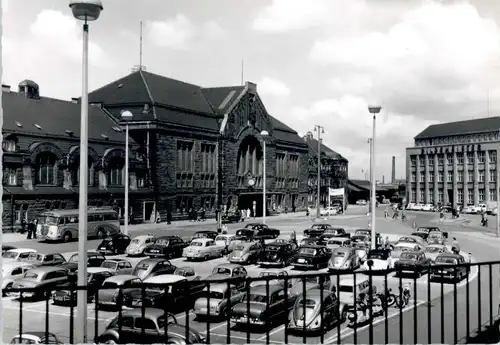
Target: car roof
<point>165,279</point>
<point>121,278</point>
<point>117,260</point>
<point>205,232</point>
<point>278,244</point>
<point>342,249</point>
<point>434,245</point>
<point>152,260</point>
<point>229,265</point>
<point>143,237</point>
<point>450,255</point>
<point>97,269</point>
<point>39,334</point>
<point>137,312</point>
<point>265,290</point>
<point>202,240</point>
<point>167,237</point>
<point>22,250</point>
<point>274,270</point>
<point>316,294</point>
<point>45,269</point>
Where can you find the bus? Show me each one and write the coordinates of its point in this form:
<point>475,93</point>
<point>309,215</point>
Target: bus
<point>62,225</point>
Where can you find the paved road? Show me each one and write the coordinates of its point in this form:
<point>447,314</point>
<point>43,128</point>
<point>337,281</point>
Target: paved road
<point>58,322</point>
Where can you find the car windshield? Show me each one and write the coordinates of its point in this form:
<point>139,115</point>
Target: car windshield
<point>221,238</point>
<point>48,220</point>
<point>446,260</point>
<point>109,285</point>
<point>316,227</point>
<point>142,266</point>
<point>35,257</point>
<point>222,270</point>
<point>331,231</point>
<point>109,264</point>
<point>200,235</point>
<point>239,247</point>
<point>30,275</point>
<point>339,254</point>
<point>360,246</point>
<point>136,241</point>
<point>308,303</point>
<point>244,232</point>
<point>196,244</point>
<point>409,256</point>
<point>426,230</point>
<point>376,256</point>
<point>73,258</point>
<point>307,251</point>
<point>162,242</point>
<point>432,250</point>
<point>255,298</point>
<point>346,288</point>
<point>435,236</point>
<point>407,240</point>
<point>10,255</point>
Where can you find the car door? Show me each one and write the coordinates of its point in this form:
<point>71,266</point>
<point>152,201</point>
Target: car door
<point>48,260</point>
<point>17,273</point>
<point>127,333</point>
<point>58,259</point>
<point>147,331</point>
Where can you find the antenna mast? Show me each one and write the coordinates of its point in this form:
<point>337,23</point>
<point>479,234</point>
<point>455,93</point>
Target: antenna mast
<point>139,67</point>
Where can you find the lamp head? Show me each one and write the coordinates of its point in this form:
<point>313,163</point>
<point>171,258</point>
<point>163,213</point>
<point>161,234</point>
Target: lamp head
<point>126,115</point>
<point>374,109</point>
<point>87,10</point>
<point>264,133</point>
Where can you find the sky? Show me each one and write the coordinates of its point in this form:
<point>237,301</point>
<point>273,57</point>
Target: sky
<point>315,62</point>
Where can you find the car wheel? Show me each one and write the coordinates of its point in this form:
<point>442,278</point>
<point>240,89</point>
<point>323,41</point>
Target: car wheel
<point>8,286</point>
<point>108,340</point>
<point>170,255</point>
<point>67,237</point>
<point>206,257</point>
<point>176,341</point>
<point>101,233</point>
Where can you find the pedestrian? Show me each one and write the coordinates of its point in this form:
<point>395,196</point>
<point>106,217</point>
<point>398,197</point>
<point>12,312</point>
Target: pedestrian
<point>248,213</point>
<point>31,230</point>
<point>455,247</point>
<point>169,217</point>
<point>23,226</point>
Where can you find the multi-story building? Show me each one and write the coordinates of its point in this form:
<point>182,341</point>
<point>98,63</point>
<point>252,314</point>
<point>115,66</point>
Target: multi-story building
<point>333,170</point>
<point>454,163</point>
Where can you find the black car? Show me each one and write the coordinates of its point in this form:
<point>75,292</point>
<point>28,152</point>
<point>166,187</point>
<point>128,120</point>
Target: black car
<point>166,247</point>
<point>114,244</point>
<point>234,217</point>
<point>245,234</point>
<point>412,262</point>
<point>310,241</point>
<point>95,275</point>
<point>316,230</point>
<point>333,232</point>
<point>448,269</point>
<point>421,234</point>
<point>311,257</point>
<point>94,259</point>
<point>277,254</point>
<point>153,267</point>
<point>263,231</point>
<point>205,234</point>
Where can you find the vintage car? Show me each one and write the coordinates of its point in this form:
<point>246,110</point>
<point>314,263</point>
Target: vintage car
<point>277,255</point>
<point>203,249</point>
<point>6,247</point>
<point>246,253</point>
<point>365,232</point>
<point>449,269</point>
<point>139,244</point>
<point>228,241</point>
<point>225,271</point>
<point>148,327</point>
<point>316,230</point>
<point>400,248</point>
<point>263,231</point>
<point>94,259</point>
<point>315,311</point>
<point>349,289</point>
<point>360,239</point>
<point>42,279</point>
<point>338,242</point>
<point>95,278</point>
<point>361,249</point>
<point>315,241</point>
<point>306,282</point>
<point>186,272</point>
<point>432,251</point>
<point>421,234</point>
<point>114,244</point>
<point>231,217</point>
<point>12,271</point>
<point>428,229</point>
<point>311,257</point>
<point>36,337</point>
<point>380,258</point>
<point>51,259</point>
<point>114,288</point>
<point>436,237</point>
<point>166,247</point>
<point>334,232</point>
<point>17,254</point>
<point>265,306</point>
<point>286,239</point>
<point>413,240</point>
<point>204,234</point>
<point>217,300</point>
<point>153,267</point>
<point>280,277</point>
<point>412,262</point>
<point>343,258</point>
<point>168,291</point>
<point>245,234</point>
<point>117,266</point>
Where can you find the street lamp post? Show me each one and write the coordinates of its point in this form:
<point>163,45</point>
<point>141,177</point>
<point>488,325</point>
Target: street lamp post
<point>370,204</point>
<point>497,195</point>
<point>374,110</point>
<point>320,130</point>
<point>264,134</point>
<point>126,116</point>
<point>87,11</point>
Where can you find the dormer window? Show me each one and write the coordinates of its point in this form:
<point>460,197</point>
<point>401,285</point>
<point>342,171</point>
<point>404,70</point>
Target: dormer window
<point>9,145</point>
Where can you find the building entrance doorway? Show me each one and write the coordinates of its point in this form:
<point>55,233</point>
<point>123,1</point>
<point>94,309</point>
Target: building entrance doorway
<point>245,201</point>
<point>149,211</point>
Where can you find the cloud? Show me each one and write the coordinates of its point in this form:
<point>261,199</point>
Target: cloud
<point>212,29</point>
<point>273,87</point>
<point>173,33</point>
<point>5,6</point>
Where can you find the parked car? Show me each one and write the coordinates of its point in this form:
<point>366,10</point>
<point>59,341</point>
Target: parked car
<point>41,278</point>
<point>422,235</point>
<point>186,272</point>
<point>401,248</point>
<point>363,232</point>
<point>311,257</point>
<point>203,249</point>
<point>226,271</point>
<point>314,241</point>
<point>218,300</point>
<point>246,253</point>
<point>36,337</point>
<point>343,258</point>
<point>231,217</point>
<point>416,241</point>
<point>338,242</point>
<point>205,234</point>
<point>227,240</point>
<point>51,259</point>
<point>381,260</point>
<point>133,327</point>
<point>449,269</point>
<point>139,244</point>
<point>286,239</point>
<point>117,266</point>
<point>94,259</point>
<point>114,244</point>
<point>413,262</point>
<point>432,251</point>
<point>166,247</point>
<point>281,277</point>
<point>333,233</point>
<point>436,237</point>
<point>6,247</point>
<point>169,291</point>
<point>109,293</point>
<point>267,306</point>
<point>361,249</point>
<point>277,255</point>
<point>263,231</point>
<point>95,278</point>
<point>245,234</point>
<point>153,267</point>
<point>316,230</point>
<point>12,271</point>
<point>17,254</point>
<point>360,239</point>
<point>315,311</point>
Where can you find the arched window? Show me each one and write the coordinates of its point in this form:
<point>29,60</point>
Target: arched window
<point>90,175</point>
<point>47,168</point>
<point>250,157</point>
<point>116,171</point>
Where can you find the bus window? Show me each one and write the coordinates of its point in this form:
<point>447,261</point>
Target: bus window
<point>90,218</point>
<point>111,216</point>
<point>63,220</point>
<point>98,218</point>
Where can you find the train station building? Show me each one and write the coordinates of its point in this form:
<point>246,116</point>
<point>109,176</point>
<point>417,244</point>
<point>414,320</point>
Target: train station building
<point>454,163</point>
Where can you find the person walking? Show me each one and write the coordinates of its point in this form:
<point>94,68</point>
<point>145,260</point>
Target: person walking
<point>455,246</point>
<point>31,230</point>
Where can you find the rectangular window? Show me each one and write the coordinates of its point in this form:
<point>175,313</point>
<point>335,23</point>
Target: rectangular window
<point>460,196</point>
<point>9,145</point>
<point>431,177</point>
<point>470,158</point>
<point>460,158</point>
<point>413,177</point>
<point>440,159</point>
<point>481,175</point>
<point>12,177</point>
<point>440,176</point>
<point>422,177</point>
<point>450,176</point>
<point>480,157</point>
<point>481,195</point>
<point>449,158</point>
<point>440,195</point>
<point>493,175</point>
<point>185,156</point>
<point>493,196</point>
<point>493,156</point>
<point>422,195</point>
<point>470,176</point>
<point>470,196</point>
<point>413,196</point>
<point>421,160</point>
<point>431,195</point>
<point>208,158</point>
<point>460,176</point>
<point>413,160</point>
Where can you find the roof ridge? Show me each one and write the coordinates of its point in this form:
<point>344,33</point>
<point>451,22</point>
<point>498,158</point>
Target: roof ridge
<point>149,93</point>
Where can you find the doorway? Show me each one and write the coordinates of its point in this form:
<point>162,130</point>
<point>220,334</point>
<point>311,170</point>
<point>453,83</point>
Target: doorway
<point>245,201</point>
<point>148,211</point>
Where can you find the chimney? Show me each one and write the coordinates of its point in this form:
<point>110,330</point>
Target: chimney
<point>383,179</point>
<point>5,88</point>
<point>74,100</point>
<point>252,87</point>
<point>393,177</point>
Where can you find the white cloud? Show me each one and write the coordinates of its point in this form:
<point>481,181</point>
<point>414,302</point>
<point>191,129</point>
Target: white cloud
<point>173,33</point>
<point>212,29</point>
<point>355,83</point>
<point>273,87</point>
<point>5,6</point>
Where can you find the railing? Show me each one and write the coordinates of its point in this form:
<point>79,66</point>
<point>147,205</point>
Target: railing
<point>435,312</point>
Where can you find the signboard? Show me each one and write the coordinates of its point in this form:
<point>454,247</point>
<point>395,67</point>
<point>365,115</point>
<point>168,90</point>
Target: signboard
<point>450,149</point>
<point>335,192</point>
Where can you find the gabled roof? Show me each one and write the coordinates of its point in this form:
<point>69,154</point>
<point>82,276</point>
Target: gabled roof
<point>221,98</point>
<point>21,114</point>
<point>471,126</point>
<point>313,147</point>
